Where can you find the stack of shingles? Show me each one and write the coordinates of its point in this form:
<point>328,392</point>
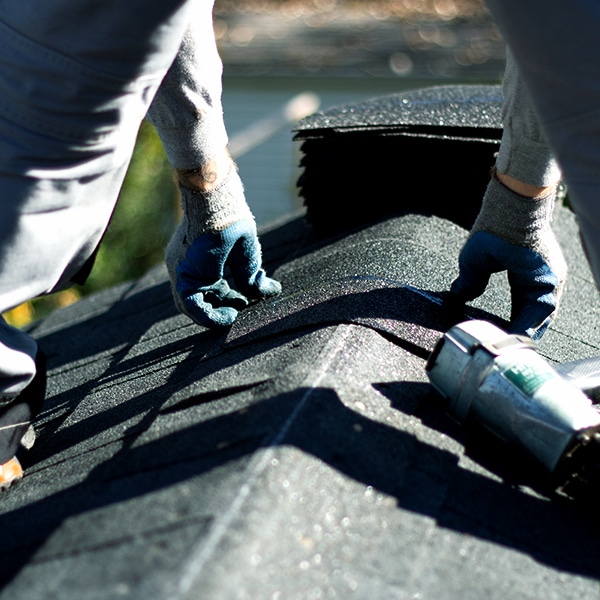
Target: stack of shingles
<point>428,151</point>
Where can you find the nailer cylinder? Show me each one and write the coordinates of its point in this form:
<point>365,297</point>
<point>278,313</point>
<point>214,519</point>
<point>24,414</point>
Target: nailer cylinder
<point>502,381</point>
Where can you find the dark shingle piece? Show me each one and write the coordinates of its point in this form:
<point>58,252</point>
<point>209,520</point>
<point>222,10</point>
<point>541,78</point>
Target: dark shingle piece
<point>300,454</point>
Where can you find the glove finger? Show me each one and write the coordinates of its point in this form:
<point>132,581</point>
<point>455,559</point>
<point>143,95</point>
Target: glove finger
<point>535,295</point>
<point>220,294</point>
<point>264,287</point>
<point>476,264</point>
<point>245,264</point>
<point>204,313</point>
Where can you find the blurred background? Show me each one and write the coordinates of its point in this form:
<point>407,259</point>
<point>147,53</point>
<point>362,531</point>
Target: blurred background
<point>282,59</point>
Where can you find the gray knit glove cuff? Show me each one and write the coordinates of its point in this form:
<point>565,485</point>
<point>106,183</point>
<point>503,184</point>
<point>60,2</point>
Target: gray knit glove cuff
<point>216,210</point>
<point>520,220</point>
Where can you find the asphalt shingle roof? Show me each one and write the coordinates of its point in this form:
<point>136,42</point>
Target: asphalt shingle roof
<point>300,454</point>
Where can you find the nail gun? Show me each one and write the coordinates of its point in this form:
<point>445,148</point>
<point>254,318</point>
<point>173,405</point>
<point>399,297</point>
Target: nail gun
<point>502,381</point>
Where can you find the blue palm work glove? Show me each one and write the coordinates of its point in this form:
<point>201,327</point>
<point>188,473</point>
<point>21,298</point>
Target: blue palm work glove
<point>217,229</point>
<point>512,233</point>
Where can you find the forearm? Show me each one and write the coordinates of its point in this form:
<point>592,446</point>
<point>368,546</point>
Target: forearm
<point>186,110</point>
<point>525,156</point>
<point>557,48</point>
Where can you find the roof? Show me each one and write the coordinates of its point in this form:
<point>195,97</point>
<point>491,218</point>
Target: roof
<point>300,454</point>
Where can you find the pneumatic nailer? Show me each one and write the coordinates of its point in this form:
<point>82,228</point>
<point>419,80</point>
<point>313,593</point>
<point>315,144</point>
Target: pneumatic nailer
<point>502,381</point>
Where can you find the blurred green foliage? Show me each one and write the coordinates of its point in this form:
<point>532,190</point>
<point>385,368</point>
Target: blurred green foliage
<point>144,219</point>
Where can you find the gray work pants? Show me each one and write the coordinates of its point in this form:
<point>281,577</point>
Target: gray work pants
<point>557,48</point>
<point>76,79</point>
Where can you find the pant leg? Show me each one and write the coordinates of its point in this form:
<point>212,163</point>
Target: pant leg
<point>76,79</point>
<point>557,48</point>
<point>21,362</point>
<point>524,151</point>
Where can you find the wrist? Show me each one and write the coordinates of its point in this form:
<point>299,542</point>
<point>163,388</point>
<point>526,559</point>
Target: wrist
<point>208,176</point>
<point>218,209</point>
<point>522,188</point>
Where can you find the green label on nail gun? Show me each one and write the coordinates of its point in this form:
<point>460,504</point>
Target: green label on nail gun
<point>528,378</point>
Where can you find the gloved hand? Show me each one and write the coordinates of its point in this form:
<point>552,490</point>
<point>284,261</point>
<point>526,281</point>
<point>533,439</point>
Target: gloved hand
<point>217,229</point>
<point>512,233</point>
